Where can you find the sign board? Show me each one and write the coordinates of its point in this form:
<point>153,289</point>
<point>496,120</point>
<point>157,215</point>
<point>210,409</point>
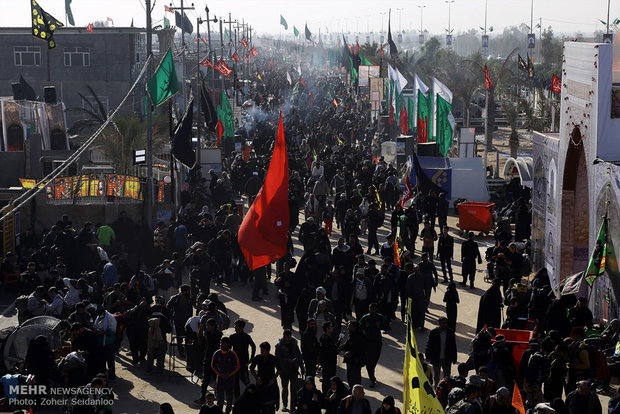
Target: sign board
<point>531,41</point>
<point>421,39</point>
<point>485,41</point>
<point>367,72</point>
<point>449,40</point>
<point>467,142</point>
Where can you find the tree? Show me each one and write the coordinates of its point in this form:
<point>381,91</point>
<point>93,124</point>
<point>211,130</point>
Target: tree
<point>129,131</point>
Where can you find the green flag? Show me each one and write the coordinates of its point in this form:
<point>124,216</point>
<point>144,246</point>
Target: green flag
<point>596,266</point>
<point>164,82</point>
<point>365,62</point>
<point>283,22</point>
<point>69,13</point>
<point>353,70</point>
<point>424,117</point>
<point>225,115</point>
<point>411,112</point>
<point>295,31</point>
<point>226,34</point>
<point>444,127</point>
<point>166,23</point>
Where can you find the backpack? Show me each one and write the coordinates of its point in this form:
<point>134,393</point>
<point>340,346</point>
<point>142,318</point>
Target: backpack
<point>21,304</point>
<point>459,407</point>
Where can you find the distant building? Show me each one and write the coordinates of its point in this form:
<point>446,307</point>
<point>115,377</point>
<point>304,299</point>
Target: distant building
<point>109,60</point>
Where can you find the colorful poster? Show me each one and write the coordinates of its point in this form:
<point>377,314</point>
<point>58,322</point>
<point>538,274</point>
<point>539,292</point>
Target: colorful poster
<point>132,188</point>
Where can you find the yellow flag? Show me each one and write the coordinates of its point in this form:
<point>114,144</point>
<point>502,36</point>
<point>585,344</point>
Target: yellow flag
<point>418,393</point>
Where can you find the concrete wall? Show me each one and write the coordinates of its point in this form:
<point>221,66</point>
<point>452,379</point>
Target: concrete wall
<point>115,60</point>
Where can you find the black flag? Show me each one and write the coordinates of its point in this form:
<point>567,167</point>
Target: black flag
<point>393,50</point>
<point>183,22</point>
<point>208,110</point>
<point>308,34</point>
<point>43,24</point>
<point>182,140</point>
<point>29,93</point>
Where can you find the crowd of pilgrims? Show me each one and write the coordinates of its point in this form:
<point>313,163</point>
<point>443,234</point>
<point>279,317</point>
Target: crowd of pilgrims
<point>340,290</point>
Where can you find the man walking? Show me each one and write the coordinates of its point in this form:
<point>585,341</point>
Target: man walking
<point>469,253</point>
<point>225,364</point>
<point>441,349</point>
<point>445,252</point>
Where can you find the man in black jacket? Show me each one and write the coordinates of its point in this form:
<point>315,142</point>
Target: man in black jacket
<point>469,253</point>
<point>328,354</point>
<point>355,353</point>
<point>441,349</point>
<point>445,252</point>
<point>310,347</point>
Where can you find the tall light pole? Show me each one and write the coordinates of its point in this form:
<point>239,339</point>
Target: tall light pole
<point>449,2</point>
<point>381,34</point>
<point>421,23</point>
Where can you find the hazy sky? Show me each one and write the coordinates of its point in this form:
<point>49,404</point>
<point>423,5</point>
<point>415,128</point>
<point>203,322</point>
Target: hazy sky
<point>565,16</point>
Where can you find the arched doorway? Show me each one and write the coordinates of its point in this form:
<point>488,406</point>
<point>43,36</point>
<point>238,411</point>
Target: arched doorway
<point>575,209</point>
<point>15,138</point>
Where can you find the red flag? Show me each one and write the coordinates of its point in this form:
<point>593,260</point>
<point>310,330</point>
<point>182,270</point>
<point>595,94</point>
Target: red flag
<point>556,84</point>
<point>303,82</point>
<point>247,58</point>
<point>407,192</point>
<point>357,48</point>
<point>404,121</point>
<point>253,52</point>
<point>335,103</point>
<point>110,20</point>
<point>206,62</point>
<point>381,51</point>
<point>89,28</point>
<point>235,57</point>
<point>263,234</point>
<point>204,39</point>
<point>422,130</point>
<point>244,43</point>
<point>396,252</point>
<point>375,160</point>
<point>487,78</point>
<point>517,401</point>
<point>168,9</point>
<point>220,131</point>
<point>222,67</point>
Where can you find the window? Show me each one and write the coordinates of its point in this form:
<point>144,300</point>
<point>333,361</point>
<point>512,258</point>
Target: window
<point>93,102</point>
<point>27,55</point>
<point>77,56</point>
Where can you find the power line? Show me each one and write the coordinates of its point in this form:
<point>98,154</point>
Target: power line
<point>62,167</point>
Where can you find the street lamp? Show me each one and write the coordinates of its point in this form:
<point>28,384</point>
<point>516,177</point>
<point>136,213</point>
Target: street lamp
<point>449,35</point>
<point>382,15</point>
<point>421,37</point>
<point>400,31</point>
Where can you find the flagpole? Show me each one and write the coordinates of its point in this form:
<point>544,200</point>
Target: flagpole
<point>486,129</point>
<point>149,125</point>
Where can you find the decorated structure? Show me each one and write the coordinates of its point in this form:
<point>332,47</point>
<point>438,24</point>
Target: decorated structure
<point>576,182</point>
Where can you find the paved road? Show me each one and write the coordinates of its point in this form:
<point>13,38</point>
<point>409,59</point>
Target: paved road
<point>141,392</point>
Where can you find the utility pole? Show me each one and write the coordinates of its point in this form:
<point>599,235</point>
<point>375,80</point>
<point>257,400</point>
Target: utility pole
<point>421,22</point>
<point>449,15</point>
<point>230,22</point>
<point>485,45</point>
<point>183,8</point>
<point>149,125</point>
<point>211,71</point>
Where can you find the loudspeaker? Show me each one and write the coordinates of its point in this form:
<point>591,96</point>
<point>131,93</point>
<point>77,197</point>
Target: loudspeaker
<point>49,94</point>
<point>428,149</point>
<point>18,91</point>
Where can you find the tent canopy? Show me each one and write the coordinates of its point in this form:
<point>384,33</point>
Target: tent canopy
<point>522,167</point>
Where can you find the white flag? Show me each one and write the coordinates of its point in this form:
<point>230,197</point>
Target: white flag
<point>288,78</point>
<point>442,90</point>
<point>399,80</point>
<point>299,68</point>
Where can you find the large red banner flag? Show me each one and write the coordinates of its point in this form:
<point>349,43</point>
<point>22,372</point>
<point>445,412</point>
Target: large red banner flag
<point>487,78</point>
<point>253,52</point>
<point>263,234</point>
<point>244,42</point>
<point>222,67</point>
<point>206,62</point>
<point>556,84</point>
